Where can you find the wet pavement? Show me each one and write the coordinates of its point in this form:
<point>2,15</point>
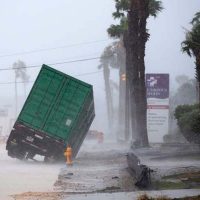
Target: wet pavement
<point>97,169</point>
<point>20,176</point>
<point>99,172</point>
<point>133,195</point>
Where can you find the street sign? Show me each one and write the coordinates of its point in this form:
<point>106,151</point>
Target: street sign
<point>157,90</point>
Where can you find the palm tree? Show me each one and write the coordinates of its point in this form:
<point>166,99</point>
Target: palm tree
<point>133,16</point>
<point>191,46</point>
<point>123,112</point>
<point>114,57</point>
<point>137,37</point>
<point>20,72</point>
<point>105,61</point>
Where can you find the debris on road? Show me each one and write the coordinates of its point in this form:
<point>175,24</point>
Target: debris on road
<point>173,166</point>
<point>142,173</point>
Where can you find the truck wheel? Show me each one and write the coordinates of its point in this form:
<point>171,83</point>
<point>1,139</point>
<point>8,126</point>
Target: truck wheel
<point>48,159</point>
<point>21,155</point>
<point>10,153</point>
<point>16,153</point>
<point>29,155</point>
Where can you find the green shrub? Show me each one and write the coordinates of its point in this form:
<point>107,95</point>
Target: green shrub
<point>188,117</point>
<point>190,121</point>
<point>182,109</point>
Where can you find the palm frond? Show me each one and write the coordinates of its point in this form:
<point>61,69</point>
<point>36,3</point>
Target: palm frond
<point>117,15</point>
<point>196,18</point>
<point>155,7</point>
<point>122,5</point>
<point>191,44</point>
<point>115,31</point>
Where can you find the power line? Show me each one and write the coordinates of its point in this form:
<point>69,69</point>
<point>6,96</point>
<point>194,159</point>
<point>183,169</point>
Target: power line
<point>8,83</point>
<point>84,74</point>
<point>89,73</point>
<point>52,48</point>
<point>56,63</point>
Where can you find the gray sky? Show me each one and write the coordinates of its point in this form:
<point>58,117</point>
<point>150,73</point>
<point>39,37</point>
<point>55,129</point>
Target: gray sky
<point>167,32</point>
<point>32,25</point>
<point>35,24</point>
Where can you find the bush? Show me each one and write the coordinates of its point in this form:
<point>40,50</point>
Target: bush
<point>188,117</point>
<point>182,109</point>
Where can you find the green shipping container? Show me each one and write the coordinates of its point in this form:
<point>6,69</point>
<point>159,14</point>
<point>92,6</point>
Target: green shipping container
<point>58,107</point>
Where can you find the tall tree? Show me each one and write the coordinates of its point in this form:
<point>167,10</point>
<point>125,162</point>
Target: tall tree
<point>137,36</point>
<point>114,57</point>
<point>20,72</point>
<point>104,64</point>
<point>191,46</point>
<point>133,16</point>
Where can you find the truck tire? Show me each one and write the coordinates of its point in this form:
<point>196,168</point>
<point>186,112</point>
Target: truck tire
<point>49,159</point>
<point>17,153</point>
<point>10,153</point>
<point>30,155</point>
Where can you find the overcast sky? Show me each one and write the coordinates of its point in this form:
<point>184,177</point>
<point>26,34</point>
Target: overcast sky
<point>79,27</point>
<point>167,32</point>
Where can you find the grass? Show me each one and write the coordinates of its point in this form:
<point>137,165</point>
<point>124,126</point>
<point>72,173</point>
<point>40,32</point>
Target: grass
<point>190,176</point>
<point>167,185</point>
<point>179,181</point>
<point>146,197</point>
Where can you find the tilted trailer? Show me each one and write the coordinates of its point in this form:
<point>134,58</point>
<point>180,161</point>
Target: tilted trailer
<point>57,112</point>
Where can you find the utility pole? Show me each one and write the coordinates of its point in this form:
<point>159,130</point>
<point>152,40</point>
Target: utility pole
<point>16,99</point>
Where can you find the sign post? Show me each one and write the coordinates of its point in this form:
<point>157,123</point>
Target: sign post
<point>157,90</point>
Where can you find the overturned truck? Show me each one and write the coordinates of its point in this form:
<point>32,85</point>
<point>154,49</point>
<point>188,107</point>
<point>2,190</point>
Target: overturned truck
<point>58,112</point>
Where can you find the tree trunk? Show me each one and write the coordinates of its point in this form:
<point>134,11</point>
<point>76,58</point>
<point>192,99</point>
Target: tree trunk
<point>122,105</point>
<point>129,102</point>
<point>137,39</point>
<point>198,73</point>
<point>106,72</point>
<point>16,100</point>
<point>198,92</point>
<point>133,21</point>
<point>142,36</point>
<point>127,113</point>
<point>121,55</point>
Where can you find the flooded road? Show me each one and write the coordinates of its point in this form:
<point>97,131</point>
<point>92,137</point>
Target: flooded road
<point>19,176</point>
<point>98,173</point>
